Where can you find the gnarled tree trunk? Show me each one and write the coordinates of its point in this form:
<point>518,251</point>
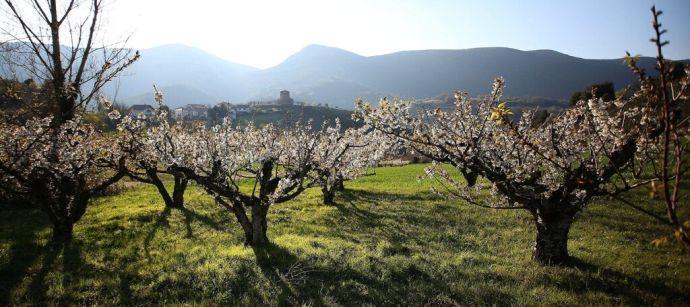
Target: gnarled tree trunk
<point>255,229</point>
<point>328,195</point>
<point>238,210</point>
<point>63,216</point>
<point>64,205</point>
<point>178,190</point>
<point>551,244</point>
<point>259,225</point>
<point>330,191</point>
<point>339,184</point>
<point>156,181</point>
<point>62,232</point>
<point>177,198</point>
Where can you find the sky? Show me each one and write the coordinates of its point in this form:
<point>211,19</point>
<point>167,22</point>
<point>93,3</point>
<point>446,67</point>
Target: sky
<point>262,33</point>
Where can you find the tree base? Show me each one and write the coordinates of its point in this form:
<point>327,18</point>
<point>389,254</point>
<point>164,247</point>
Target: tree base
<point>62,234</point>
<point>174,205</point>
<point>329,202</point>
<point>550,257</point>
<point>256,242</point>
<point>551,244</point>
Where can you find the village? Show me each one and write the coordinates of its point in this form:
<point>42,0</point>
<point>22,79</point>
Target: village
<point>283,111</point>
<point>203,112</point>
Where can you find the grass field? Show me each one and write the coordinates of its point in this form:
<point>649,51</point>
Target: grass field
<point>389,241</point>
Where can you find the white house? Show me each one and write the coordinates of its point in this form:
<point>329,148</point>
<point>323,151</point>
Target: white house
<point>141,111</point>
<point>192,112</point>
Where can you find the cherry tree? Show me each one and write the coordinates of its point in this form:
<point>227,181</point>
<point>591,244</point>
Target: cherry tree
<point>274,161</point>
<point>143,162</point>
<point>552,170</point>
<point>344,155</point>
<point>58,169</point>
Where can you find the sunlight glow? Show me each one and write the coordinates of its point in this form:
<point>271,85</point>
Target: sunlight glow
<point>262,33</point>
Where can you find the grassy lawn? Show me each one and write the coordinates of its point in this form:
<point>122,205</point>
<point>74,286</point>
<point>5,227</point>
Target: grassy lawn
<point>389,241</point>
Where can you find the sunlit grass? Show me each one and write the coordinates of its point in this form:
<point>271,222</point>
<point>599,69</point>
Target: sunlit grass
<point>388,241</point>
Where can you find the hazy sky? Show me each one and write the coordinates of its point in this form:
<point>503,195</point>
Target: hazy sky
<point>263,33</point>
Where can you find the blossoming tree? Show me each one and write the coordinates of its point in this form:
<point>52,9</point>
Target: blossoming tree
<point>58,169</point>
<point>56,160</point>
<point>275,161</point>
<point>143,162</point>
<point>344,155</point>
<point>552,169</point>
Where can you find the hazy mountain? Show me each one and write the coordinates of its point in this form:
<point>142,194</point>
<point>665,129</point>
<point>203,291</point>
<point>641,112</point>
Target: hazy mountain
<point>426,73</point>
<point>174,65</point>
<point>315,73</point>
<point>337,77</point>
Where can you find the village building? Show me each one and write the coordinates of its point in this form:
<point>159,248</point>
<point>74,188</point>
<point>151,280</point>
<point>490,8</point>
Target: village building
<point>241,108</point>
<point>285,99</point>
<point>141,111</point>
<point>192,112</point>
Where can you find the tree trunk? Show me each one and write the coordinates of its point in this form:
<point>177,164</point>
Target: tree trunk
<point>328,196</point>
<point>238,210</point>
<point>156,181</point>
<point>64,214</point>
<point>684,238</point>
<point>178,191</point>
<point>551,245</point>
<point>177,199</point>
<point>259,226</point>
<point>62,232</point>
<point>339,184</point>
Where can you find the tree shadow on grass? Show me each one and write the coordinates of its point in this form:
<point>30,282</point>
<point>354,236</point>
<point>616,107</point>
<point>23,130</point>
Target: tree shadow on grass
<point>24,250</point>
<point>190,216</point>
<point>38,288</point>
<point>71,269</point>
<point>162,221</point>
<point>126,294</point>
<point>361,215</point>
<point>377,196</point>
<point>301,281</point>
<point>273,260</point>
<point>616,284</point>
<point>348,199</point>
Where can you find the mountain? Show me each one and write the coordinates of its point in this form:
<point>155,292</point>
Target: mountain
<point>315,73</point>
<point>175,65</point>
<point>337,77</point>
<point>427,73</point>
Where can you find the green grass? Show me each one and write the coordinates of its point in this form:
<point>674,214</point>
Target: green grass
<point>390,241</point>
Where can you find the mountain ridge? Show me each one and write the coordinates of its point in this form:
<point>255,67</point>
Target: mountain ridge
<point>325,74</point>
<point>335,76</point>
